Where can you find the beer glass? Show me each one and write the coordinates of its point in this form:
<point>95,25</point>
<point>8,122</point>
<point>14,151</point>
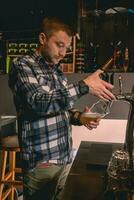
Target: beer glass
<point>118,164</point>
<point>118,172</point>
<point>98,110</point>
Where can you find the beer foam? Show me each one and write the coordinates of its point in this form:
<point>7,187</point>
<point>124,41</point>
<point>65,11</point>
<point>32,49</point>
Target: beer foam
<point>92,115</point>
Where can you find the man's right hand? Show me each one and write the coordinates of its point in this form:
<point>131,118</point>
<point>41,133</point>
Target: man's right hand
<point>99,87</point>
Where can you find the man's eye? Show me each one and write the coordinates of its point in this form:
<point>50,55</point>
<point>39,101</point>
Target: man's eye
<point>60,45</point>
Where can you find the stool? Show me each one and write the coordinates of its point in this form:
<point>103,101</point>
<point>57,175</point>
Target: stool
<point>9,147</point>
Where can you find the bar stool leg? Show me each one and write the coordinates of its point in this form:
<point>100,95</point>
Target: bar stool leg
<point>8,183</point>
<point>12,164</point>
<point>2,171</point>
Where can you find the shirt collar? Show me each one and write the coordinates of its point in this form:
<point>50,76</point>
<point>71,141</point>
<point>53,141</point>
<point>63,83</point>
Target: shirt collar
<point>41,60</point>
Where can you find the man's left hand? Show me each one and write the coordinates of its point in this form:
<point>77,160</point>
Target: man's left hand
<point>91,124</point>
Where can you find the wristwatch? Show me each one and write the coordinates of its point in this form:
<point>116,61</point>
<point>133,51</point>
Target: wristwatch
<point>83,88</point>
<point>75,117</point>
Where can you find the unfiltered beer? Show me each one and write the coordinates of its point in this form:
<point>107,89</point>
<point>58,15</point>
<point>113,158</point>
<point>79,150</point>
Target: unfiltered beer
<point>89,116</point>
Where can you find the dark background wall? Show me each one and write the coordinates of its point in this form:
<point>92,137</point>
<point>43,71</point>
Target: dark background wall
<point>27,14</point>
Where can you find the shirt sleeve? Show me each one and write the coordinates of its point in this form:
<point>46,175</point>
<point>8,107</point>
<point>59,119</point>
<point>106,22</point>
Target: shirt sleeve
<point>75,117</point>
<point>41,98</point>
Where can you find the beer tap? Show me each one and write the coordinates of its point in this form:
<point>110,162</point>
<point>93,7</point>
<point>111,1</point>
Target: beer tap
<point>121,165</point>
<point>129,140</point>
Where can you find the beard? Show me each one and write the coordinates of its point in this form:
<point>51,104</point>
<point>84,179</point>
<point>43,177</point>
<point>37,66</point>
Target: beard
<point>51,58</point>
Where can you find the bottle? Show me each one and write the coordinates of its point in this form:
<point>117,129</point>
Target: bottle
<point>126,60</point>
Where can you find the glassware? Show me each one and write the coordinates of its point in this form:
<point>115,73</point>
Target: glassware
<point>118,180</point>
<point>126,60</point>
<point>101,107</point>
<point>118,164</point>
<point>98,110</point>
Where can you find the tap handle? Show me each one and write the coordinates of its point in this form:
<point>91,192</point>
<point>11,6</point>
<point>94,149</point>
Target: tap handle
<point>112,78</point>
<point>120,84</point>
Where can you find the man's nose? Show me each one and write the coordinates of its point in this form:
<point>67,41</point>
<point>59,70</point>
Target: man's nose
<point>62,52</point>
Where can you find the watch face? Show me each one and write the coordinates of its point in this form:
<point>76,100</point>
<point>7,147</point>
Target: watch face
<point>83,87</point>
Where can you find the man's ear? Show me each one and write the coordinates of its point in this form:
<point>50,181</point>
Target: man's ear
<point>42,38</point>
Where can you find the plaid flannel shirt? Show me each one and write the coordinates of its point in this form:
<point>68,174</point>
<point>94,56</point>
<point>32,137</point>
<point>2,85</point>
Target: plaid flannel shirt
<point>43,99</point>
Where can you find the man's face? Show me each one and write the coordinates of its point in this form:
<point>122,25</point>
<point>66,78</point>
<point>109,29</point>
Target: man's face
<point>54,48</point>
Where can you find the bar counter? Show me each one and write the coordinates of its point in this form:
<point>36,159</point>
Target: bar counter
<point>87,179</point>
<point>7,125</point>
